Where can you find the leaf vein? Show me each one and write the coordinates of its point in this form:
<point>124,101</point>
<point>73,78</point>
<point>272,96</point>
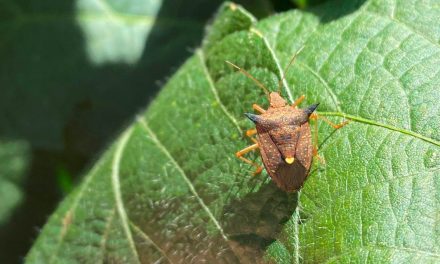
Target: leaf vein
<point>106,232</point>
<point>375,123</point>
<point>326,86</point>
<point>297,219</point>
<point>183,174</point>
<point>330,54</point>
<point>416,32</point>
<point>117,187</point>
<point>214,91</point>
<point>75,203</point>
<point>149,240</point>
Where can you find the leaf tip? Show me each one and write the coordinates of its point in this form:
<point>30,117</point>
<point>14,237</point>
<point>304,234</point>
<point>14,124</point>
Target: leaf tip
<point>232,6</point>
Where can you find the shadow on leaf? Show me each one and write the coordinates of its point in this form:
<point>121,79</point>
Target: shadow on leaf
<point>254,222</point>
<point>332,10</point>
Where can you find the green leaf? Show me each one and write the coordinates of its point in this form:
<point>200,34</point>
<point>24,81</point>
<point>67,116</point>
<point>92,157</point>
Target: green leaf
<point>171,189</point>
<point>14,163</point>
<point>116,31</point>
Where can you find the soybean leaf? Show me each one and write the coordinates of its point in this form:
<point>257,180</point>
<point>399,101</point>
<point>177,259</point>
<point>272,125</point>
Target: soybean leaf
<point>170,189</point>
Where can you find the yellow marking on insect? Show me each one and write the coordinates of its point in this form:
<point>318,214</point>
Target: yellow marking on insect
<point>290,160</point>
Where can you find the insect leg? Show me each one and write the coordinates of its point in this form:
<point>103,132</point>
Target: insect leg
<point>335,126</point>
<point>240,154</point>
<point>258,108</point>
<point>315,138</point>
<point>251,132</point>
<point>315,142</point>
<point>298,101</point>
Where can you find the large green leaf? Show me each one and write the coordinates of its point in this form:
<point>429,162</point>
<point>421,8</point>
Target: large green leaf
<point>170,188</point>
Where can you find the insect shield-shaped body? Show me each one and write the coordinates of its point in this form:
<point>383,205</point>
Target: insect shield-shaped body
<point>284,137</point>
<point>285,142</point>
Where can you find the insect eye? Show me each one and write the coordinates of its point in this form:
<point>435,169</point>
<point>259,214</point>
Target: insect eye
<point>309,110</point>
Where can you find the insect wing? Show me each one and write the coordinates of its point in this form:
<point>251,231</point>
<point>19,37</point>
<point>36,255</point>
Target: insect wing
<point>304,148</point>
<point>288,177</point>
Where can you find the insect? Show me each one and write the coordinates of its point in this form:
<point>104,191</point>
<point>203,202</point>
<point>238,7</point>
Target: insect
<point>284,136</point>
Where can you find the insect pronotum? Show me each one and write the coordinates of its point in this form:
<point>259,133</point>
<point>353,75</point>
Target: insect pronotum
<point>284,136</point>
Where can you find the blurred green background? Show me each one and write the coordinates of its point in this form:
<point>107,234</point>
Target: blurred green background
<point>72,74</point>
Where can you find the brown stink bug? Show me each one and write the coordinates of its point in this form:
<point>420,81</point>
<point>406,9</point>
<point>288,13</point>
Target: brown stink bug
<point>284,137</point>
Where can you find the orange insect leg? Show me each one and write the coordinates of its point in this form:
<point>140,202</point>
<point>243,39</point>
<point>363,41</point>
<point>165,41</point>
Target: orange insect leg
<point>315,117</point>
<point>240,154</point>
<point>323,118</point>
<point>258,108</point>
<point>315,142</point>
<point>298,101</point>
<point>251,132</point>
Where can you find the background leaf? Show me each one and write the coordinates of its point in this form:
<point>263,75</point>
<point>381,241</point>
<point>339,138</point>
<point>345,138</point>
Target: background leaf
<point>170,188</point>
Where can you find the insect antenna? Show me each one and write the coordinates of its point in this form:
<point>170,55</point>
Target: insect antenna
<point>280,83</point>
<point>266,91</point>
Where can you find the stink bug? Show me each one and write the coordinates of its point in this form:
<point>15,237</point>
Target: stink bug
<point>284,137</point>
